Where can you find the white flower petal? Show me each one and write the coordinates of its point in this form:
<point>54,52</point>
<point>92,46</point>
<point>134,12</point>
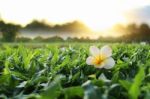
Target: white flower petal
<point>94,50</point>
<point>109,63</point>
<point>106,51</point>
<point>89,60</point>
<point>101,65</point>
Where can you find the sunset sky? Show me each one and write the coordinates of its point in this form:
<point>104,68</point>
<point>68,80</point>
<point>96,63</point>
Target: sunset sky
<point>97,14</point>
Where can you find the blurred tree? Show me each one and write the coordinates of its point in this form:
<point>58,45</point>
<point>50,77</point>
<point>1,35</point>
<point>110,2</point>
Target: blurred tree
<point>144,28</point>
<point>71,27</point>
<point>144,31</point>
<point>38,25</point>
<point>53,39</point>
<point>38,39</point>
<point>9,31</point>
<point>132,28</point>
<point>132,32</point>
<point>23,39</point>
<point>119,29</point>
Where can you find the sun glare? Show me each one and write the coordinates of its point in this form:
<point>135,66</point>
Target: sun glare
<point>96,14</point>
<point>104,21</point>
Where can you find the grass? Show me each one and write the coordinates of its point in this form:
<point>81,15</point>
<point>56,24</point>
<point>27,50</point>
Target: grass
<point>59,71</point>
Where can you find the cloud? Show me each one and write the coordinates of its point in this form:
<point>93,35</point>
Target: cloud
<point>139,15</point>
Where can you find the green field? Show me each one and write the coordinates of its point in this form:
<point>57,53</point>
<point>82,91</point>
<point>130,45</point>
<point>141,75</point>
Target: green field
<point>59,71</point>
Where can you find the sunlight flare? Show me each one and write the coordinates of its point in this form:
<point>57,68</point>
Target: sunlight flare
<point>97,14</point>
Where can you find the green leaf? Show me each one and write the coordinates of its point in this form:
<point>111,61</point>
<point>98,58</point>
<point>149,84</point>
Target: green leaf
<point>73,92</point>
<point>134,91</point>
<point>91,91</point>
<point>126,84</point>
<point>53,91</point>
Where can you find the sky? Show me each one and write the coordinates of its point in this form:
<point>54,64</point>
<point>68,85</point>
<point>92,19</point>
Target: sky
<point>96,14</point>
<point>139,15</point>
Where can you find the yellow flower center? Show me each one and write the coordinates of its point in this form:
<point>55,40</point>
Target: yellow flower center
<point>98,59</point>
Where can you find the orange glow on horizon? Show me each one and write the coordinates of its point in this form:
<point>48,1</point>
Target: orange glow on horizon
<point>98,15</point>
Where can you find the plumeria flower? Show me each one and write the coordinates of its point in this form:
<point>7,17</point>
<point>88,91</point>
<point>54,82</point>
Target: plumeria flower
<point>101,58</point>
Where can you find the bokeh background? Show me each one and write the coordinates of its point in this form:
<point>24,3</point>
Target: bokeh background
<point>74,20</point>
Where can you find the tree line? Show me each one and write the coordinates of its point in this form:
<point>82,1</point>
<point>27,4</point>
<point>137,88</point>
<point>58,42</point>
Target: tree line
<point>130,32</point>
<point>133,32</point>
